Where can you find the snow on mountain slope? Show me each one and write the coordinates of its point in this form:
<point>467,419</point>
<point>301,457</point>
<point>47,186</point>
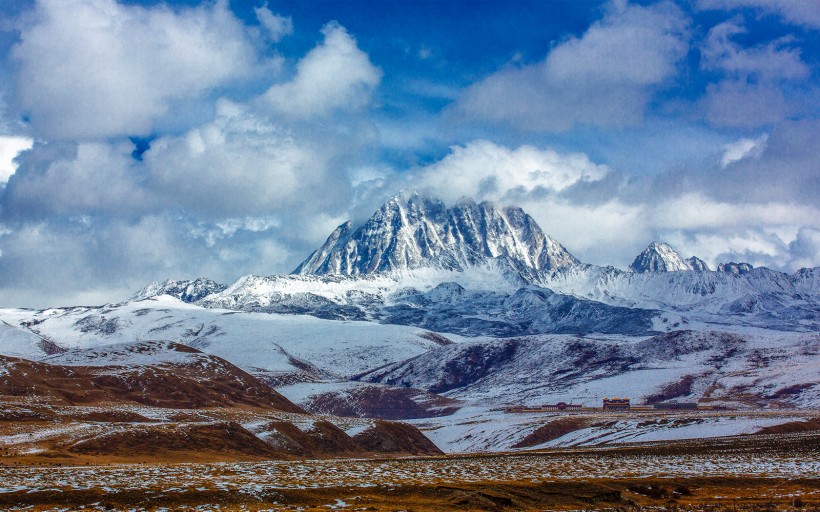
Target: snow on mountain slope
<point>416,232</point>
<point>19,341</point>
<point>468,268</point>
<point>659,257</point>
<point>288,344</point>
<point>759,297</point>
<point>494,299</point>
<point>746,368</point>
<point>697,264</point>
<point>186,291</point>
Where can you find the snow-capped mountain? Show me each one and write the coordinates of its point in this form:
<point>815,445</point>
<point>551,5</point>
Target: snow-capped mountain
<point>420,232</point>
<point>431,312</point>
<point>660,257</point>
<point>760,296</point>
<point>697,264</point>
<point>186,291</point>
<point>466,269</point>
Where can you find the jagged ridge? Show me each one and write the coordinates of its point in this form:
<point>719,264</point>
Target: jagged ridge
<point>424,232</point>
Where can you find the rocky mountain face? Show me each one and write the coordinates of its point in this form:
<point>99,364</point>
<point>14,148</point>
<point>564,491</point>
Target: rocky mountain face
<point>735,268</point>
<point>659,257</point>
<point>186,291</point>
<point>420,232</point>
<point>697,264</point>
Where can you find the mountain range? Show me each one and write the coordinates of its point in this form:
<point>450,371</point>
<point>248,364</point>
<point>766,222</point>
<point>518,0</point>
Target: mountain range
<point>425,310</point>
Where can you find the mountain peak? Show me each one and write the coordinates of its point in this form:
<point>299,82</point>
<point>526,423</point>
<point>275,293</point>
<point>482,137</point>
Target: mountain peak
<point>659,257</point>
<point>414,231</point>
<point>697,264</point>
<point>735,268</point>
<point>186,290</point>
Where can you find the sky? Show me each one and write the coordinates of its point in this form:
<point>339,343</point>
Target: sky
<point>142,140</point>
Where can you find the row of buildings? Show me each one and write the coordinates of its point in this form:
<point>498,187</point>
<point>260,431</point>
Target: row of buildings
<point>609,404</point>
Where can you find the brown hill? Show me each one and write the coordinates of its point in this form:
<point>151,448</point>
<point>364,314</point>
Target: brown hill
<point>390,437</point>
<point>198,441</point>
<point>383,402</point>
<point>160,374</point>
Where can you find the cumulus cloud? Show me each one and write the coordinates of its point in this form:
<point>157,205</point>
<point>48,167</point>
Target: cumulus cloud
<point>276,26</point>
<point>10,147</point>
<point>335,75</point>
<point>77,179</point>
<point>798,12</point>
<point>753,90</point>
<point>98,68</point>
<point>482,169</point>
<point>605,77</point>
<point>777,60</point>
<point>743,148</point>
<point>241,164</point>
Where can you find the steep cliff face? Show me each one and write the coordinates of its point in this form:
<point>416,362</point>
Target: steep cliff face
<point>421,232</point>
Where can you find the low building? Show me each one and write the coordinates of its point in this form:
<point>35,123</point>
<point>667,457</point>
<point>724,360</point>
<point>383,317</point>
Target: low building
<point>616,404</point>
<point>561,406</point>
<point>676,406</point>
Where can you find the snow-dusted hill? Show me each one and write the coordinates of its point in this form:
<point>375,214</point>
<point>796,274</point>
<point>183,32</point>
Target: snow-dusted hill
<point>743,368</point>
<point>489,302</point>
<point>301,346</point>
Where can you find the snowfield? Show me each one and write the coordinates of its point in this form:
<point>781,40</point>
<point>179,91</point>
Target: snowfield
<point>253,341</point>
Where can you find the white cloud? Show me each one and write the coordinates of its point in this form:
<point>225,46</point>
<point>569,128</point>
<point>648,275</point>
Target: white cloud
<point>776,60</point>
<point>603,233</point>
<point>10,147</point>
<point>77,179</point>
<point>805,248</point>
<point>335,75</point>
<point>759,82</point>
<point>97,68</point>
<point>738,103</point>
<point>484,170</point>
<point>743,148</point>
<point>241,164</point>
<point>695,211</point>
<point>605,77</point>
<point>799,12</point>
<point>276,26</point>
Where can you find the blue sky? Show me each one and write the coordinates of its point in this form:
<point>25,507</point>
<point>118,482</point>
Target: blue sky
<point>143,140</point>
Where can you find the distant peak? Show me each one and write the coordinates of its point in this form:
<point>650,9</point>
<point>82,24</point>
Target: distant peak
<point>659,257</point>
<point>697,264</point>
<point>735,268</point>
